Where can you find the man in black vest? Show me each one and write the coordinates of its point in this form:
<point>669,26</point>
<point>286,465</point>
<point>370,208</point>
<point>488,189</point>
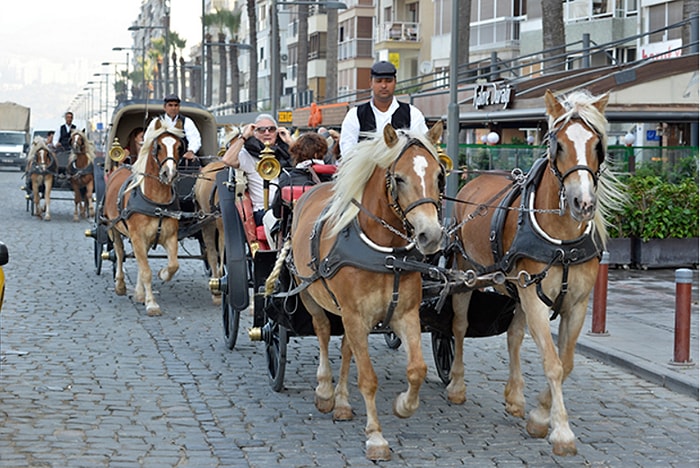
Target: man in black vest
<point>63,133</point>
<point>193,140</point>
<point>382,109</point>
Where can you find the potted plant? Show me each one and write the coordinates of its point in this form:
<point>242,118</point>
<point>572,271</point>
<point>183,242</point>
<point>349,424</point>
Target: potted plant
<point>660,216</point>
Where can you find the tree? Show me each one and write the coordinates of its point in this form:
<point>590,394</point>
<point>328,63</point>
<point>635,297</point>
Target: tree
<point>232,23</point>
<point>252,30</point>
<point>303,52</point>
<point>464,12</point>
<point>176,42</point>
<point>209,68</point>
<point>332,55</point>
<point>690,9</point>
<point>553,37</point>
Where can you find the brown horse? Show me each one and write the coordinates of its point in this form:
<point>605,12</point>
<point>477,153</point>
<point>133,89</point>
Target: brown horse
<point>80,172</point>
<point>348,239</point>
<point>41,169</point>
<point>138,202</point>
<point>207,198</point>
<point>545,232</point>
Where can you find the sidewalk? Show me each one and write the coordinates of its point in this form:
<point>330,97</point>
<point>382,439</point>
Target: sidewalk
<point>640,325</point>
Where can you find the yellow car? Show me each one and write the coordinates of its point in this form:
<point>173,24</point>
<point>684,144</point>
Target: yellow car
<point>4,257</point>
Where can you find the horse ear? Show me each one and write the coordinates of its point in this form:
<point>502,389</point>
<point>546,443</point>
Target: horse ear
<point>390,136</point>
<point>602,103</point>
<point>179,124</point>
<point>552,105</point>
<point>157,124</point>
<point>435,132</point>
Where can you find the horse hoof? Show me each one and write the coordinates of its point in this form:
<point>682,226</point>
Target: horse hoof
<point>343,413</point>
<point>324,405</point>
<point>378,451</point>
<point>536,430</point>
<point>565,449</point>
<point>216,299</point>
<point>76,219</point>
<point>457,398</point>
<point>153,311</point>
<point>120,290</point>
<point>402,409</point>
<point>515,410</point>
<point>47,218</point>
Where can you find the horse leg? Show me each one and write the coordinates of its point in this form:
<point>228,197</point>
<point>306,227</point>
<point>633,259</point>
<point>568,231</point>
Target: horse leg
<point>88,199</point>
<point>48,184</point>
<point>144,290</point>
<point>76,200</point>
<point>37,199</point>
<point>343,410</point>
<point>324,398</point>
<point>167,273</point>
<point>513,393</point>
<point>457,389</point>
<point>550,402</point>
<point>376,447</point>
<point>118,245</point>
<point>408,328</point>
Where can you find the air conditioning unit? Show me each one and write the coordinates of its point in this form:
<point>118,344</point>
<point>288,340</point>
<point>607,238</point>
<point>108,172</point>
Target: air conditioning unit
<point>284,58</point>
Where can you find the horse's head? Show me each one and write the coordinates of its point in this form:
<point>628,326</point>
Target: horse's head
<point>39,155</point>
<point>415,182</point>
<point>77,142</point>
<point>577,142</point>
<point>165,146</point>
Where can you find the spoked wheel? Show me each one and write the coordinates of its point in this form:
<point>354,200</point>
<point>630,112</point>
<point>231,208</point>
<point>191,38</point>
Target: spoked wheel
<point>443,354</point>
<point>392,340</point>
<point>275,337</point>
<point>232,318</point>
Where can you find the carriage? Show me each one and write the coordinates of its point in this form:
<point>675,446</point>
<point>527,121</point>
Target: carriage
<point>521,250</point>
<point>190,219</point>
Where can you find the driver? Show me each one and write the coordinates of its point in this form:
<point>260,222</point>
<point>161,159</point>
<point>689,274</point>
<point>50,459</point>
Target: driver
<point>193,140</point>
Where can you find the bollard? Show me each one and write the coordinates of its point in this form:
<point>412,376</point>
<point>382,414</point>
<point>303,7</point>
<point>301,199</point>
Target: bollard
<point>681,338</point>
<point>600,298</point>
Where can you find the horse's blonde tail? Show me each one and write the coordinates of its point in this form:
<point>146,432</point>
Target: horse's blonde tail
<point>270,282</point>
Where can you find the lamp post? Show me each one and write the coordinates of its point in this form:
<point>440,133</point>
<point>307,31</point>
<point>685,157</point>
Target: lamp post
<point>126,76</point>
<point>137,27</point>
<point>106,75</point>
<point>274,51</point>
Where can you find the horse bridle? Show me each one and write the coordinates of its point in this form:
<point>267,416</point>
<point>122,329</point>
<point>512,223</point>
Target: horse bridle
<point>154,154</point>
<point>393,195</point>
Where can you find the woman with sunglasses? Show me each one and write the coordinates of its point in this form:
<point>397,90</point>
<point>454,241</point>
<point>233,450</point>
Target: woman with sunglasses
<point>244,153</point>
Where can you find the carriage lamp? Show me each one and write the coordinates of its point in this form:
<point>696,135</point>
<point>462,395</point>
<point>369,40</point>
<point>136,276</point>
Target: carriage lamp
<point>269,168</point>
<point>445,160</point>
<point>116,152</point>
<point>492,138</point>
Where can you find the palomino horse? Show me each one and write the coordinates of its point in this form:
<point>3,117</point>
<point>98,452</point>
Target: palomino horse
<point>352,242</point>
<point>139,201</point>
<point>41,168</point>
<point>80,171</point>
<point>546,231</point>
<point>207,198</point>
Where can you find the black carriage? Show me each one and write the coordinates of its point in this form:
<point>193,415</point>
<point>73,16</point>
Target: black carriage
<point>138,113</point>
<point>281,315</point>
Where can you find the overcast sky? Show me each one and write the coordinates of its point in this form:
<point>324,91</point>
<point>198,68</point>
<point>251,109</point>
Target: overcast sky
<point>49,50</point>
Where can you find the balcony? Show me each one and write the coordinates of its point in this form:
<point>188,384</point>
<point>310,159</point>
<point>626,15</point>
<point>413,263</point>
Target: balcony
<point>399,31</point>
<point>355,48</point>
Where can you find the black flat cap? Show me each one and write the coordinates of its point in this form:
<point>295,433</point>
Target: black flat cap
<point>171,98</point>
<point>383,69</point>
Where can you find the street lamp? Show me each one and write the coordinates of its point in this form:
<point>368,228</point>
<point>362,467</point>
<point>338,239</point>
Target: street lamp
<point>137,27</point>
<point>106,82</point>
<point>275,53</point>
<point>126,76</point>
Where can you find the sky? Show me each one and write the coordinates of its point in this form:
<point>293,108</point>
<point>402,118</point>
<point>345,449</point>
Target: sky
<point>49,50</point>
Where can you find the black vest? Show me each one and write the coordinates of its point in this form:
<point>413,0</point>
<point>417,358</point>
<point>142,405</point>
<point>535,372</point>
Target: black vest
<point>64,137</point>
<point>400,119</point>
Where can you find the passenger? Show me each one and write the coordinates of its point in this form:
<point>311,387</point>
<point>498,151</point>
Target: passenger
<point>382,109</point>
<point>63,132</point>
<point>332,137</point>
<point>307,150</point>
<point>49,141</point>
<point>193,139</point>
<point>133,146</point>
<point>244,153</point>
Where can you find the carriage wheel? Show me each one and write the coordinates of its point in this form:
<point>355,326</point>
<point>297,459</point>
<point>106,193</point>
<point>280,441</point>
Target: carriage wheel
<point>392,340</point>
<point>443,354</point>
<point>98,257</point>
<point>232,318</point>
<point>275,354</point>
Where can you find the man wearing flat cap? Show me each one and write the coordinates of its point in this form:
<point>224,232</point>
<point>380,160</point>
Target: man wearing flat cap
<point>193,140</point>
<point>382,109</point>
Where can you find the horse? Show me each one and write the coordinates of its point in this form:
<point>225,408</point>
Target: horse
<point>207,199</point>
<point>141,204</point>
<point>545,231</point>
<point>41,169</point>
<point>352,241</point>
<point>80,172</point>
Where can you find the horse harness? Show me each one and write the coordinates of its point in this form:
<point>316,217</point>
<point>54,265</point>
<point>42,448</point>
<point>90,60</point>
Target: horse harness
<point>530,241</point>
<point>352,247</point>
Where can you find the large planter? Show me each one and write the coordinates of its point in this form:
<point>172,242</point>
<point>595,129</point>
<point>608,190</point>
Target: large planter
<point>620,250</point>
<point>665,253</point>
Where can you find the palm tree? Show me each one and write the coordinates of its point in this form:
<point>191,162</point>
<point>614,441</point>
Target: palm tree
<point>252,30</point>
<point>332,55</point>
<point>225,20</point>
<point>209,71</point>
<point>553,37</point>
<point>303,53</point>
<point>176,42</point>
<point>232,23</point>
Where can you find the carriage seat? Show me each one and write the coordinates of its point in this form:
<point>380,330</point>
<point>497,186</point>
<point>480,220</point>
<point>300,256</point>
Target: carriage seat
<point>291,193</point>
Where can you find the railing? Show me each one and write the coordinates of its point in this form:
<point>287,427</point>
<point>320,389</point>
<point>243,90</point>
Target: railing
<point>355,48</point>
<point>496,33</point>
<point>398,31</point>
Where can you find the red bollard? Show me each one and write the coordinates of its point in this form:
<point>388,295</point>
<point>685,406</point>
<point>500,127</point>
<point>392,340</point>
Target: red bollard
<point>600,298</point>
<point>681,339</point>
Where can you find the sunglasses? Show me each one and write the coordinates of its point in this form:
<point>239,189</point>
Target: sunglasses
<point>266,129</point>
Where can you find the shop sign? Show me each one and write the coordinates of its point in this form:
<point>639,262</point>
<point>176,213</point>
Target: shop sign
<point>492,94</point>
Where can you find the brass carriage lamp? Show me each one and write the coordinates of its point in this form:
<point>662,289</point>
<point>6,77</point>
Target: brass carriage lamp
<point>269,168</point>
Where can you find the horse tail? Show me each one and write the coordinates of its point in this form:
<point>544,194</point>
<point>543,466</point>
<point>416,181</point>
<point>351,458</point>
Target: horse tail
<point>270,282</point>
